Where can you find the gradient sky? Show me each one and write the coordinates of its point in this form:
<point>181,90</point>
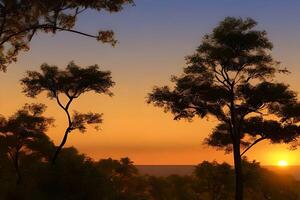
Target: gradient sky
<point>154,37</point>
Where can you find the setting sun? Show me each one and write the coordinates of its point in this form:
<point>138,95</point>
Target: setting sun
<point>282,163</point>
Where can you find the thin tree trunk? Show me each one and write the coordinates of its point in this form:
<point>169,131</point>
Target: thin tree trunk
<point>238,170</point>
<point>59,148</point>
<point>68,130</point>
<point>235,133</point>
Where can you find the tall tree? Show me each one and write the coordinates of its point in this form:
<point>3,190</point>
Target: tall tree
<point>231,77</point>
<point>70,83</point>
<point>20,20</point>
<point>24,132</point>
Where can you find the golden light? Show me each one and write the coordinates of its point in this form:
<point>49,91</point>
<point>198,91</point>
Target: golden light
<point>282,163</point>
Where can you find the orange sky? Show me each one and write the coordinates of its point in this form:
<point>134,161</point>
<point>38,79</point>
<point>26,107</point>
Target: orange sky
<point>142,59</point>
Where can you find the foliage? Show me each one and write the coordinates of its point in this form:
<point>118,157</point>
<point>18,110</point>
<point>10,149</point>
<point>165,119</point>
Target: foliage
<point>21,20</point>
<point>23,134</point>
<point>71,83</point>
<point>231,77</point>
<point>233,63</point>
<point>208,176</point>
<point>77,177</point>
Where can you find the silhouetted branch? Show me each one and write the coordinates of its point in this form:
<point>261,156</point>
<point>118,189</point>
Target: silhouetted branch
<point>254,143</point>
<point>45,26</point>
<point>67,131</point>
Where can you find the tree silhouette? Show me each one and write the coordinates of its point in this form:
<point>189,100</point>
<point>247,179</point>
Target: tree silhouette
<point>122,180</point>
<point>70,83</point>
<point>231,77</point>
<point>208,180</point>
<point>20,20</point>
<point>24,132</point>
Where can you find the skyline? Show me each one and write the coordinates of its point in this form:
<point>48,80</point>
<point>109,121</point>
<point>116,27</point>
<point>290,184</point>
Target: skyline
<point>151,49</point>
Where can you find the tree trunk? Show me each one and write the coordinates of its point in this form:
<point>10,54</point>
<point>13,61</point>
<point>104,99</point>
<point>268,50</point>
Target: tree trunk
<point>59,148</point>
<point>238,170</point>
<point>236,141</point>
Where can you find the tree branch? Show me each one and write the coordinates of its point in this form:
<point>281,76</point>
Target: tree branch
<point>225,76</point>
<point>77,11</point>
<point>254,143</point>
<point>254,110</point>
<point>222,82</point>
<point>58,102</point>
<point>69,102</point>
<point>65,108</point>
<point>238,72</point>
<point>45,26</point>
<point>69,128</point>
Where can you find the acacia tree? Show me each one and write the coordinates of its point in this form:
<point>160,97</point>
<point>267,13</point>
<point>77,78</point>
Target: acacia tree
<point>20,20</point>
<point>24,133</point>
<point>70,83</point>
<point>231,77</point>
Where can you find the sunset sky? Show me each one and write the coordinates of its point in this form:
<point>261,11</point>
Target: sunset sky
<point>154,37</point>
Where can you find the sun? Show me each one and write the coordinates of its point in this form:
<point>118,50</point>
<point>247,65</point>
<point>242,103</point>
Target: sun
<point>282,163</point>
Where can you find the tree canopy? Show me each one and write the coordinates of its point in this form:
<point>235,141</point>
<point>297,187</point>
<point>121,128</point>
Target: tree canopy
<point>24,133</point>
<point>231,77</point>
<point>71,83</point>
<point>20,20</point>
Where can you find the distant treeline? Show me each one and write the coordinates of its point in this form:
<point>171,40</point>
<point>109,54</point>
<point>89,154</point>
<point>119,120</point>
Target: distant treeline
<point>77,177</point>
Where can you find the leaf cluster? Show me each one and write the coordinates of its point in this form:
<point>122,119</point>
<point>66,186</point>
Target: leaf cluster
<point>20,20</point>
<point>25,130</point>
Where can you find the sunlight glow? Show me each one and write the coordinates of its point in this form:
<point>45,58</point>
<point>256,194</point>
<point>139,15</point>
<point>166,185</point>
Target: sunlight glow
<point>282,163</point>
